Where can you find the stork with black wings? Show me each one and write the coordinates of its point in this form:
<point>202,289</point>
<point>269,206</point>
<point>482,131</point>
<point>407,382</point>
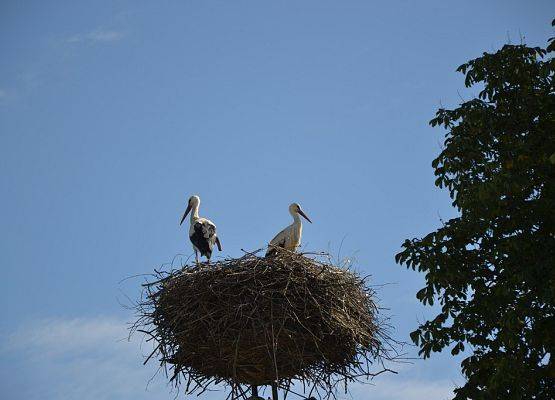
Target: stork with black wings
<point>202,231</point>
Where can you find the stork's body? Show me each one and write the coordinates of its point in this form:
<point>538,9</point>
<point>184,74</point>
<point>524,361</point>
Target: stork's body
<point>290,237</point>
<point>202,231</point>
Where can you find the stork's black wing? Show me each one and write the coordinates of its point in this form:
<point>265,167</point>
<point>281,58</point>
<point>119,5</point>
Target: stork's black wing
<point>202,237</point>
<point>272,247</point>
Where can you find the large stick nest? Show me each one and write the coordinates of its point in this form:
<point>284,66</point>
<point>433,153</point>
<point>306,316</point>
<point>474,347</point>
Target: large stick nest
<point>256,320</point>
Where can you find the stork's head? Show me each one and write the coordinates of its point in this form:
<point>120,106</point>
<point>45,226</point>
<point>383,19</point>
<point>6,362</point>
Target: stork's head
<point>295,208</point>
<point>194,201</point>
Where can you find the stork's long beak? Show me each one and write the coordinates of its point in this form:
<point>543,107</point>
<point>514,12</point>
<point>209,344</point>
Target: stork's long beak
<point>304,215</point>
<point>185,215</point>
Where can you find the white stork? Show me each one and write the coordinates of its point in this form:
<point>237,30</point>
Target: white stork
<point>290,237</point>
<point>202,231</point>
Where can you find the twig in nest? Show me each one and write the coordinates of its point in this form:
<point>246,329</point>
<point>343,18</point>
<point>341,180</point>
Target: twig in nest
<point>262,321</point>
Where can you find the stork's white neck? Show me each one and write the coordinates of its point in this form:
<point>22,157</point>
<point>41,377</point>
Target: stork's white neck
<point>194,212</point>
<point>296,218</point>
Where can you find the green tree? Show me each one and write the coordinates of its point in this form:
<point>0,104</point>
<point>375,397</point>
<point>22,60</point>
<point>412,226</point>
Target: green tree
<point>492,269</point>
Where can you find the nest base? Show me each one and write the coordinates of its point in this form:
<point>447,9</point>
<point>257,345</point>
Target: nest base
<point>257,321</point>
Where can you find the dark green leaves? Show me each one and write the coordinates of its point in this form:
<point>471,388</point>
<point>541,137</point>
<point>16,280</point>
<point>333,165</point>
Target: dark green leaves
<point>457,349</point>
<point>492,269</point>
<point>551,46</point>
<point>415,336</point>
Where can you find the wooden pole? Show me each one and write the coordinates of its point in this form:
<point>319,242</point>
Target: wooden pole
<point>254,391</point>
<point>274,391</point>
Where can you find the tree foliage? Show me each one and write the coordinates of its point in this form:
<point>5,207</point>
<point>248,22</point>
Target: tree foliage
<point>492,268</point>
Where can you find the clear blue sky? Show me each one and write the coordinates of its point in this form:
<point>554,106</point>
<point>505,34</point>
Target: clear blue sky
<point>113,113</point>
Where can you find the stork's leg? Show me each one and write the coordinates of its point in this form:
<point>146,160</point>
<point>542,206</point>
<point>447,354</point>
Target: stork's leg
<point>196,256</point>
<point>254,392</point>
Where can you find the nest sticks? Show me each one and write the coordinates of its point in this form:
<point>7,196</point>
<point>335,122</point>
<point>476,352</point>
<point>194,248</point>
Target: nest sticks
<point>261,321</point>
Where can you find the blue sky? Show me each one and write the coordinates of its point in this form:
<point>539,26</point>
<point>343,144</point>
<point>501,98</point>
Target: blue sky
<point>113,113</point>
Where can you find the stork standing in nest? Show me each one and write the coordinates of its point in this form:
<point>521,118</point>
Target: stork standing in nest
<point>202,231</point>
<point>290,237</point>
